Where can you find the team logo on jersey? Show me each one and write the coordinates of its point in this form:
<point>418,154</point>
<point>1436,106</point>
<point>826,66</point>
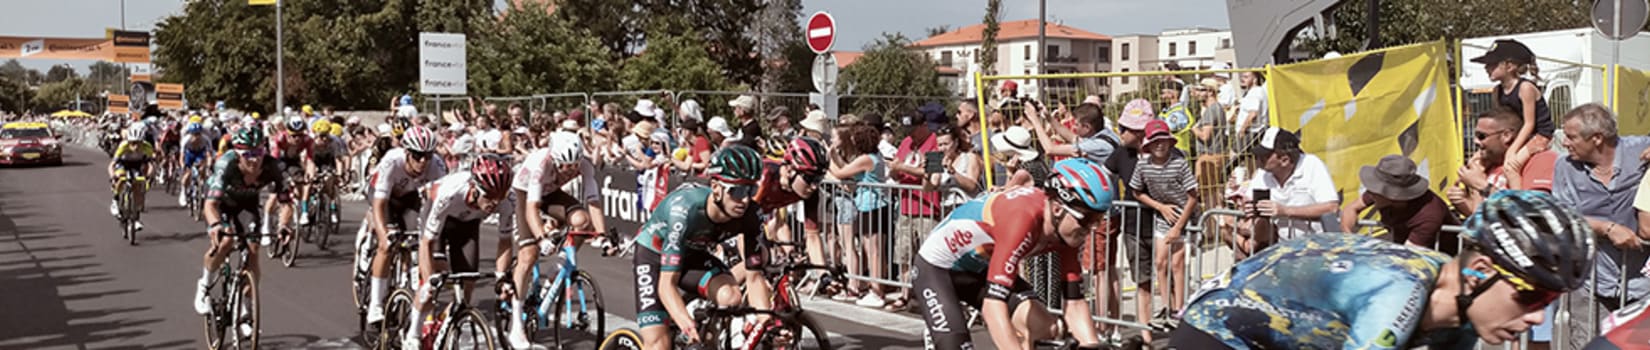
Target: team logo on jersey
<point>1340,266</point>
<point>1387,339</point>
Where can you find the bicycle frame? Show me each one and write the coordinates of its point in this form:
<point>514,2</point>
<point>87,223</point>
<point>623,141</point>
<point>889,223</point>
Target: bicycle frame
<point>460,299</point>
<point>564,276</point>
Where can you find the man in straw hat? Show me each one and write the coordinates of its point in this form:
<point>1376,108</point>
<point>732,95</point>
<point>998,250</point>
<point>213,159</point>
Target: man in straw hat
<point>1411,214</point>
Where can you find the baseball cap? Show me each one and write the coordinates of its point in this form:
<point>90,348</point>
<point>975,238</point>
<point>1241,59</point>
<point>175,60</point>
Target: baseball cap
<point>777,112</point>
<point>1157,130</point>
<point>1504,50</point>
<point>1136,114</point>
<point>720,125</point>
<point>1275,139</point>
<point>1017,140</point>
<point>934,114</point>
<point>744,101</point>
<point>646,108</point>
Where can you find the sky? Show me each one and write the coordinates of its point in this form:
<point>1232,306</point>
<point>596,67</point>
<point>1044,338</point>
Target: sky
<point>859,22</point>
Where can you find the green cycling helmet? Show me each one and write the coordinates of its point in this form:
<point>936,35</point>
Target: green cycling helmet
<point>247,138</point>
<point>736,164</point>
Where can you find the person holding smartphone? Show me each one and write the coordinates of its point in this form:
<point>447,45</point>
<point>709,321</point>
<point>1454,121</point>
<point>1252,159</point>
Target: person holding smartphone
<point>1291,192</point>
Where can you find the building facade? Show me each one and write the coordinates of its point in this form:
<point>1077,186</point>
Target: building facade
<point>1068,50</point>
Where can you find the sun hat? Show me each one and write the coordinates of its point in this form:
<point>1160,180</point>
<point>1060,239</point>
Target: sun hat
<point>1393,177</point>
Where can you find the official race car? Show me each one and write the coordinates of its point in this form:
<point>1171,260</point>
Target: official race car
<point>29,143</point>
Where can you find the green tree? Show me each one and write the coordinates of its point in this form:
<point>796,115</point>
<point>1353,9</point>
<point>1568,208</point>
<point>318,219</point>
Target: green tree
<point>14,95</point>
<point>889,68</point>
<point>58,95</point>
<point>106,76</point>
<point>941,29</point>
<point>787,61</point>
<point>677,62</point>
<point>528,51</point>
<point>60,72</point>
<point>1413,21</point>
<point>19,74</point>
<point>625,27</point>
<point>988,44</point>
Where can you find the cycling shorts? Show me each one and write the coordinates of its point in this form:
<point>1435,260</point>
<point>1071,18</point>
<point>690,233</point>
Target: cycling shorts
<point>557,205</point>
<point>242,220</point>
<point>458,242</point>
<point>192,157</point>
<point>1189,337</point>
<point>697,270</point>
<point>941,290</point>
<point>404,212</point>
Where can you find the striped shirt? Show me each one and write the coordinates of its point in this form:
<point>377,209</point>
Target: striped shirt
<point>1167,183</point>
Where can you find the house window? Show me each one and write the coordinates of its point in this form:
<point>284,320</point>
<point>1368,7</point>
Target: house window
<point>945,58</point>
<point>1104,54</point>
<point>1125,70</point>
<point>976,55</point>
<point>1053,51</point>
<point>1191,48</point>
<point>1172,47</point>
<point>1125,52</point>
<point>1028,52</point>
<point>1225,43</point>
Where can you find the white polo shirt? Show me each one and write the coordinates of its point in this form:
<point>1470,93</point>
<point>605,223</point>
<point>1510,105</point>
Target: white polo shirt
<point>1310,184</point>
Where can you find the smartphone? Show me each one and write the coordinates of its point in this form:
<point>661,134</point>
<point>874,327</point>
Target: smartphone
<point>933,163</point>
<point>1261,194</point>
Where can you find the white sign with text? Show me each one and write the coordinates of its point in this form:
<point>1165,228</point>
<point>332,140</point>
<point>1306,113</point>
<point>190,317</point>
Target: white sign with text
<point>441,64</point>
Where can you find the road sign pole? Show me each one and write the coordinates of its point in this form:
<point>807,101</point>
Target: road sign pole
<point>280,73</point>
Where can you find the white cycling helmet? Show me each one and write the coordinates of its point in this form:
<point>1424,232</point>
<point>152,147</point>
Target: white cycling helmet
<point>565,148</point>
<point>384,129</point>
<point>210,123</point>
<point>353,120</point>
<point>136,132</point>
<point>418,139</point>
<point>296,123</point>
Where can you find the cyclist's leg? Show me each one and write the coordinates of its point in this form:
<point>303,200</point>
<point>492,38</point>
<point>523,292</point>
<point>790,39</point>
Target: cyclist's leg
<point>652,320</point>
<point>946,326</point>
<point>712,280</point>
<point>813,209</point>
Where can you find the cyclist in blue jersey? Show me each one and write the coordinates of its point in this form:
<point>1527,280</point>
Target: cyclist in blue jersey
<point>1356,292</point>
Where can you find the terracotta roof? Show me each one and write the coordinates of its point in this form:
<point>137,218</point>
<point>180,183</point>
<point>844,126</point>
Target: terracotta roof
<point>1008,31</point>
<point>845,58</point>
<point>947,70</point>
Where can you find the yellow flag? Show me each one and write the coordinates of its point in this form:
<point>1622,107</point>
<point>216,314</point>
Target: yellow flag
<point>1353,110</point>
<point>1632,101</point>
<point>260,2</point>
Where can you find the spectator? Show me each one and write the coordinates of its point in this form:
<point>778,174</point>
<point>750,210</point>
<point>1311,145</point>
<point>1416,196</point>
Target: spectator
<point>488,138</point>
<point>779,127</point>
<point>461,148</point>
<point>814,125</point>
<point>1097,144</point>
<point>696,146</point>
<point>1163,182</point>
<point>1300,192</point>
<point>1484,172</point>
<point>1012,148</point>
<point>857,162</point>
<point>885,133</point>
<point>690,110</point>
<point>1210,137</point>
<point>1177,113</point>
<point>640,148</point>
<point>919,210</point>
<point>1411,214</point>
<point>1252,113</point>
<point>1597,179</point>
<point>1007,96</point>
<point>961,179</point>
<point>968,120</point>
<point>1225,93</point>
<point>650,111</point>
<point>1130,221</point>
<point>720,134</point>
<point>744,112</point>
<point>1508,62</point>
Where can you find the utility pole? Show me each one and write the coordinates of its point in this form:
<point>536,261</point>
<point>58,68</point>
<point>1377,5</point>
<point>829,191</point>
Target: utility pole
<point>280,74</point>
<point>1042,42</point>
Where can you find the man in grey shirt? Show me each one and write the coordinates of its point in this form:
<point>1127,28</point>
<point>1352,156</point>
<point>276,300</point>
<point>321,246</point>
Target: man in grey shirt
<point>1599,179</point>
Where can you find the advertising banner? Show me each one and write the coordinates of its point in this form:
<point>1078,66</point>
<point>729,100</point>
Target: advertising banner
<point>129,46</point>
<point>441,64</point>
<point>169,96</point>
<point>1632,98</point>
<point>57,48</point>
<point>120,104</point>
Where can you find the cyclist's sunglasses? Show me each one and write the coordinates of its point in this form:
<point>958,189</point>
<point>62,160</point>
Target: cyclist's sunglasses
<point>1526,295</point>
<point>739,192</point>
<point>418,156</point>
<point>250,153</point>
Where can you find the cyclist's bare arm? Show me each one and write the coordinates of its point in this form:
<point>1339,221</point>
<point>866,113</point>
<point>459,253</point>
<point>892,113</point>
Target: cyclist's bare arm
<point>998,321</point>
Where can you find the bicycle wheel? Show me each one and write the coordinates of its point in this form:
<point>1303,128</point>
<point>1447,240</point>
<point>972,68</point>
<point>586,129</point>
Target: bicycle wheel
<point>622,339</point>
<point>395,323</point>
<point>244,308</point>
<point>329,225</point>
<point>468,331</point>
<point>217,320</point>
<point>577,307</point>
<point>801,332</point>
<point>289,256</point>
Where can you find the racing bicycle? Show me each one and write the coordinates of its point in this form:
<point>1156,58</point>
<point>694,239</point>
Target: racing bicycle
<point>569,301</point>
<point>455,326</point>
<point>403,275</point>
<point>232,322</point>
<point>130,209</point>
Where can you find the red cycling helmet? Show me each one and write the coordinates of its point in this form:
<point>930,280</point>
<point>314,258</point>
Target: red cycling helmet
<point>806,155</point>
<point>491,175</point>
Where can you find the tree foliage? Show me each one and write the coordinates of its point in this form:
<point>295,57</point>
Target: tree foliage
<point>623,26</point>
<point>1413,21</point>
<point>889,68</point>
<point>15,95</point>
<point>58,95</point>
<point>61,72</point>
<point>787,61</point>
<point>105,76</point>
<point>673,62</point>
<point>530,52</point>
<point>988,44</point>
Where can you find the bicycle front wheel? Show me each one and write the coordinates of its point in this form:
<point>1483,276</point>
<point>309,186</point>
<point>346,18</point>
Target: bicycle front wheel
<point>577,307</point>
<point>244,307</point>
<point>289,256</point>
<point>800,332</point>
<point>622,339</point>
<point>469,331</point>
<point>394,326</point>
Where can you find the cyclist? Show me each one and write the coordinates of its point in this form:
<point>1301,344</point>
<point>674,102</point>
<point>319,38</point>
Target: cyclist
<point>1353,291</point>
<point>803,159</point>
<point>678,237</point>
<point>169,130</point>
<point>394,196</point>
<point>457,205</point>
<point>234,187</point>
<point>973,255</point>
<point>288,148</point>
<point>131,155</point>
<point>540,194</point>
<point>196,147</point>
<point>325,154</point>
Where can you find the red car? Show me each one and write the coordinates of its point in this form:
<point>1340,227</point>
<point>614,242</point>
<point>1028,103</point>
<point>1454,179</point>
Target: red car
<point>29,143</point>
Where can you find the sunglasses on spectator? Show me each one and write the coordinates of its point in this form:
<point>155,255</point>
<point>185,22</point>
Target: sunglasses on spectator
<point>1481,136</point>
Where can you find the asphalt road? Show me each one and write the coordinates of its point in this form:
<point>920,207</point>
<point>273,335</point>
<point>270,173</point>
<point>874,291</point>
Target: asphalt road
<point>67,280</point>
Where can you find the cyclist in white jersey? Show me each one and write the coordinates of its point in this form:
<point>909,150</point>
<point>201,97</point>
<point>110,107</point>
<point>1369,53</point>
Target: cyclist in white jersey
<point>394,186</point>
<point>539,192</point>
<point>457,204</point>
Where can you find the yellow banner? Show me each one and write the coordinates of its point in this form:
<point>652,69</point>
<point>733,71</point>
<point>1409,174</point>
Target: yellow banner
<point>260,2</point>
<point>1353,110</point>
<point>1632,101</point>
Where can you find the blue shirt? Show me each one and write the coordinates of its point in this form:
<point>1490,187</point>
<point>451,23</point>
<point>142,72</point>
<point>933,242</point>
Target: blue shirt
<point>1327,291</point>
<point>1099,147</point>
<point>1575,187</point>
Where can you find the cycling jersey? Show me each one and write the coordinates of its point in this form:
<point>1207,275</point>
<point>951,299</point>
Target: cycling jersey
<point>1623,329</point>
<point>325,155</point>
<point>130,155</point>
<point>537,177</point>
<point>196,142</point>
<point>234,193</point>
<point>289,146</point>
<point>682,225</point>
<point>1325,291</point>
<point>992,234</point>
<point>390,179</point>
<point>447,201</point>
<point>771,193</point>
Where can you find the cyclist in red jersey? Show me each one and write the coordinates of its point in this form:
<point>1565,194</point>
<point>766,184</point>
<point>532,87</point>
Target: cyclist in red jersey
<point>793,179</point>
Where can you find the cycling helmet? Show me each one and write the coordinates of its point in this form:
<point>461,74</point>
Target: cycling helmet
<point>736,164</point>
<point>383,129</point>
<point>248,137</point>
<point>565,148</point>
<point>418,139</point>
<point>193,128</point>
<point>295,124</point>
<point>255,116</point>
<point>491,175</point>
<point>806,155</point>
<point>337,130</point>
<point>353,121</point>
<point>195,119</point>
<point>210,123</point>
<point>136,132</point>
<point>321,127</point>
<point>1535,239</point>
<point>1080,182</point>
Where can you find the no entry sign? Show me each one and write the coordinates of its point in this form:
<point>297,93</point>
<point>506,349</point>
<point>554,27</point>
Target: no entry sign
<point>821,32</point>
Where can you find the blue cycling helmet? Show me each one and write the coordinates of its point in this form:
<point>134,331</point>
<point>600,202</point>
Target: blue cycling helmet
<point>1080,182</point>
<point>406,100</point>
<point>193,128</point>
